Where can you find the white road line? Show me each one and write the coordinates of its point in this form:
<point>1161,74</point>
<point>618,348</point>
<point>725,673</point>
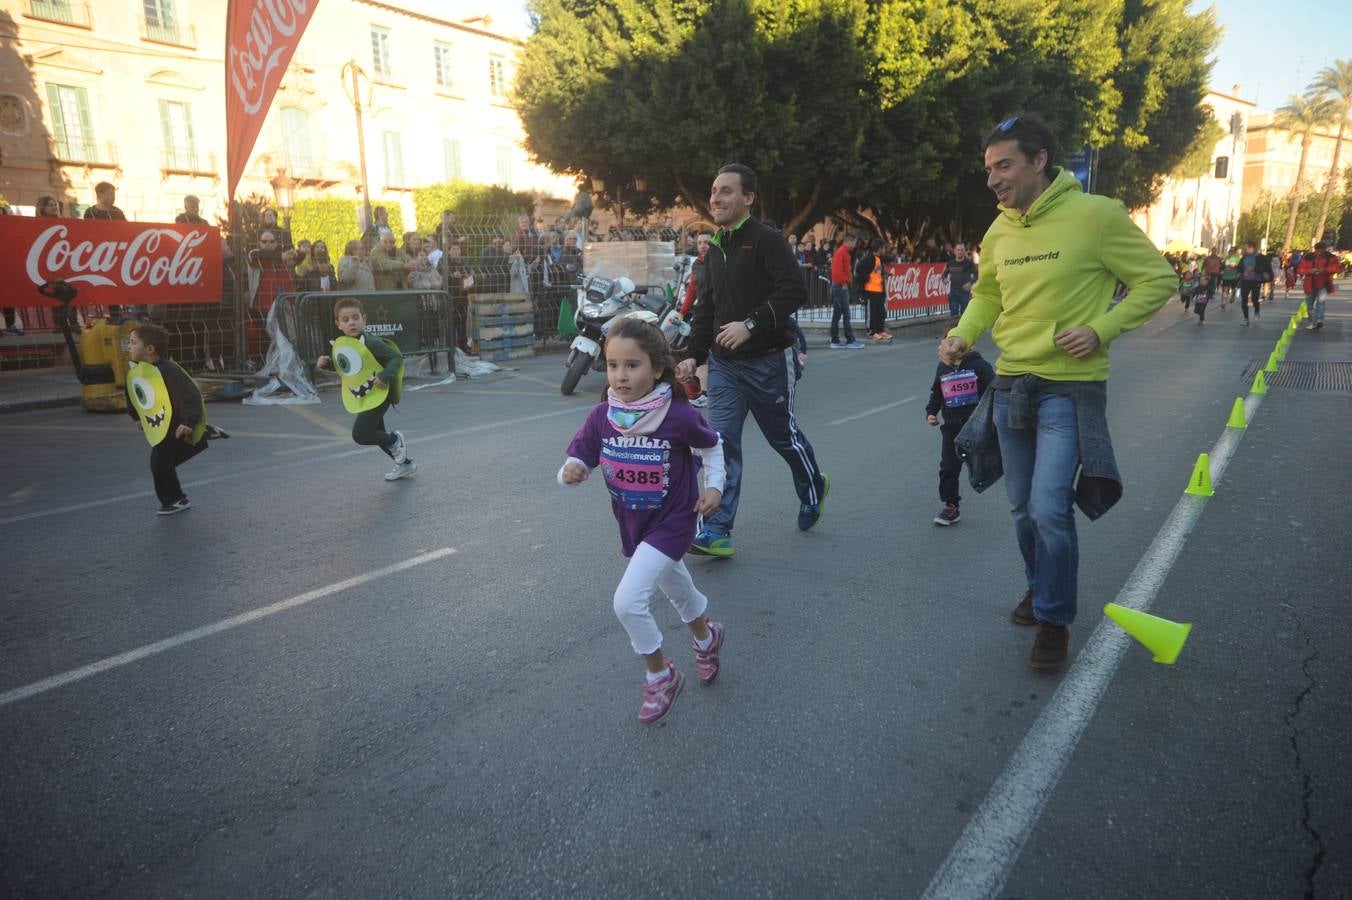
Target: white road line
<point>131,656</point>
<point>981,860</point>
<point>868,412</point>
<point>308,461</point>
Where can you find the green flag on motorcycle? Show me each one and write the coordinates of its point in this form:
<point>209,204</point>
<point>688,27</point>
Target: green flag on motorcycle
<point>567,325</point>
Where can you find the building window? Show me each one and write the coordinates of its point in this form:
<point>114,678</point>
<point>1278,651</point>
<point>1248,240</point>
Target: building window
<point>380,51</point>
<point>450,151</point>
<point>442,56</point>
<point>497,82</point>
<point>180,153</point>
<point>161,21</point>
<point>505,166</point>
<point>72,124</point>
<point>394,159</point>
<point>60,11</point>
<point>300,157</point>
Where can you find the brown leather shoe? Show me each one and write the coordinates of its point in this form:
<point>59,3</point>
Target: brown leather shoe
<point>1023,613</point>
<point>1049,647</point>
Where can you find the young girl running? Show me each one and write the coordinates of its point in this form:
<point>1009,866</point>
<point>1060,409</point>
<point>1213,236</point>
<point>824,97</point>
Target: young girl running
<point>642,437</point>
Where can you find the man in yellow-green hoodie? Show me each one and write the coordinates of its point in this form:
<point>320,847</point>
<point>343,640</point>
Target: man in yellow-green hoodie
<point>1050,263</point>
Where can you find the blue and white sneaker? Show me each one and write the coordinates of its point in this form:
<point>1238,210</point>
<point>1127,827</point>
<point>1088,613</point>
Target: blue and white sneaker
<point>711,543</point>
<point>855,345</point>
<point>810,514</point>
<point>840,345</point>
<point>399,452</point>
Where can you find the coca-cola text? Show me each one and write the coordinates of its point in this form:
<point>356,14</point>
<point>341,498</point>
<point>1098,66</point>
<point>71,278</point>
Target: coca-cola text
<point>112,262</point>
<point>136,261</point>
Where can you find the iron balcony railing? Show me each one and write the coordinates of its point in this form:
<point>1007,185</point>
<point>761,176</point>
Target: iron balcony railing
<point>163,32</point>
<point>88,152</point>
<point>187,159</point>
<point>63,11</point>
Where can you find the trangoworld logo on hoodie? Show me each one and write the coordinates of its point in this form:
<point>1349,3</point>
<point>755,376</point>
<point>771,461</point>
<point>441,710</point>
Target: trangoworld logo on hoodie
<point>1041,257</point>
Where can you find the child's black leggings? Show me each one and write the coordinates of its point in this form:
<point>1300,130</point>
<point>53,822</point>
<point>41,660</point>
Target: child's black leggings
<point>165,458</point>
<point>950,464</point>
<point>369,428</point>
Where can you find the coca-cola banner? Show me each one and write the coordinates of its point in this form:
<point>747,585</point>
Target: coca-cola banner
<point>109,263</point>
<point>915,285</point>
<point>260,37</point>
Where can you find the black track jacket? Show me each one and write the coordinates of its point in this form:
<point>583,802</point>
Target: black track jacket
<point>752,274</point>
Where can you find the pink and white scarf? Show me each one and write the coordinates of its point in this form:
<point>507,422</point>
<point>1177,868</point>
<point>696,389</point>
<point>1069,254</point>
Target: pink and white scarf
<point>643,415</point>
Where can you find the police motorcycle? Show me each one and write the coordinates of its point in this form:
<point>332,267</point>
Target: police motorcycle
<point>605,296</point>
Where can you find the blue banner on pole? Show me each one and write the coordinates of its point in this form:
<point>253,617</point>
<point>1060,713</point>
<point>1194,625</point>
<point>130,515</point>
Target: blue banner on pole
<point>1080,163</point>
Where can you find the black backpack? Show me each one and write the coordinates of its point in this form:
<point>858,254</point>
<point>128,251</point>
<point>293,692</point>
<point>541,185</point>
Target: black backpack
<point>863,268</point>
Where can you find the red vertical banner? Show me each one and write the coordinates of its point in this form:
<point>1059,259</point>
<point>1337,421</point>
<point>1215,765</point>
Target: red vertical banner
<point>260,38</point>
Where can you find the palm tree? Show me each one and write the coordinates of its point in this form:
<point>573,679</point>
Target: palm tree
<point>1301,116</point>
<point>1335,82</point>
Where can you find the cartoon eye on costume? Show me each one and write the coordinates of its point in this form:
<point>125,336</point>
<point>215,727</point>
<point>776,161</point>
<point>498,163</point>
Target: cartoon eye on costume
<point>347,360</point>
<point>144,392</point>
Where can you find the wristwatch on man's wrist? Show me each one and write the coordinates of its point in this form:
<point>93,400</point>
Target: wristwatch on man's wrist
<point>750,324</point>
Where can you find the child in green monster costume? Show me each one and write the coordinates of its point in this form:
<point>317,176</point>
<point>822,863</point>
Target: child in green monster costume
<point>372,371</point>
<point>163,399</point>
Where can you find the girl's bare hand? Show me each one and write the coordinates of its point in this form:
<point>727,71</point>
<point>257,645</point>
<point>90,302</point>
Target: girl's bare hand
<point>708,501</point>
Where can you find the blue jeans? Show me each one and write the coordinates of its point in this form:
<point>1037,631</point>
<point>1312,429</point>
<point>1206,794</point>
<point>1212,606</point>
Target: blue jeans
<point>1040,465</point>
<point>840,309</point>
<point>957,303</point>
<point>1315,306</point>
<point>763,386</point>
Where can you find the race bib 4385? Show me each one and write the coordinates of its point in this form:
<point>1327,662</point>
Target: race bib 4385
<point>636,471</point>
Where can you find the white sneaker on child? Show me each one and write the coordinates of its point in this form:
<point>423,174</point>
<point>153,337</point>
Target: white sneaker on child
<point>403,470</point>
<point>399,452</point>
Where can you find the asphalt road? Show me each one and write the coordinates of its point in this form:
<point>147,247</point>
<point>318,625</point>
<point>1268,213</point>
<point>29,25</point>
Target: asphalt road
<point>465,725</point>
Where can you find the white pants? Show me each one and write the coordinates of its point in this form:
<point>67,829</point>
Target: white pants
<point>649,569</point>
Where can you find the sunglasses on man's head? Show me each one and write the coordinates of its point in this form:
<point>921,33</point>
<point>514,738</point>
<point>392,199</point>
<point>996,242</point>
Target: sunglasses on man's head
<point>1007,124</point>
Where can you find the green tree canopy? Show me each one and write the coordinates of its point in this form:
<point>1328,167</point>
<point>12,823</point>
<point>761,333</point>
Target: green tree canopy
<point>874,106</point>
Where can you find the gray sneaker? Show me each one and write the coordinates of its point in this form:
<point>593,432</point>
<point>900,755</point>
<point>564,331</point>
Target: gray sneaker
<point>839,345</point>
<point>402,470</point>
<point>399,452</point>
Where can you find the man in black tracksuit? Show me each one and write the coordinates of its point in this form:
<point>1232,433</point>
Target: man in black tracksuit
<point>742,328</point>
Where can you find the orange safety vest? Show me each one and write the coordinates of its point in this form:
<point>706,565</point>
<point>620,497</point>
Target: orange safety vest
<point>874,285</point>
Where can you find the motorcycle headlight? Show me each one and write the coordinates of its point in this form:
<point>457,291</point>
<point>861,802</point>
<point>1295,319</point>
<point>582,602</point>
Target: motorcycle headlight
<point>591,310</point>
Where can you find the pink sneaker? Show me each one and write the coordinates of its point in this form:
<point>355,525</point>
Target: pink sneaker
<point>706,661</point>
<point>658,696</point>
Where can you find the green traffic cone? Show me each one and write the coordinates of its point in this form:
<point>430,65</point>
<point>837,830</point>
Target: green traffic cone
<point>1163,638</point>
<point>1259,384</point>
<point>1200,483</point>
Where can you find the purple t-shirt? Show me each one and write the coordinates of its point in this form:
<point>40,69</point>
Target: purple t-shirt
<point>651,477</point>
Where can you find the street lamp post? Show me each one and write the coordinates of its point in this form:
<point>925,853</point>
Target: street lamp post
<point>1267,230</point>
<point>283,190</point>
<point>353,73</point>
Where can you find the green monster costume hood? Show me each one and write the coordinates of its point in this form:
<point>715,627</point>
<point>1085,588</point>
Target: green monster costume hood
<point>358,370</point>
<point>153,404</point>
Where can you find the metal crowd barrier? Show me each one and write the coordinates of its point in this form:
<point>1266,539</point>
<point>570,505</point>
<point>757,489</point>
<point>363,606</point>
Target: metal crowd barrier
<point>419,321</point>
